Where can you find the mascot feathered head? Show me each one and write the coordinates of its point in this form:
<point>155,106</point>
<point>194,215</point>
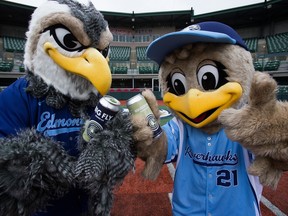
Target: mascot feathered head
<point>201,72</point>
<point>67,45</point>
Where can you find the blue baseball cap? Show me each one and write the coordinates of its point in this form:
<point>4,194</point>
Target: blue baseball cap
<point>207,32</point>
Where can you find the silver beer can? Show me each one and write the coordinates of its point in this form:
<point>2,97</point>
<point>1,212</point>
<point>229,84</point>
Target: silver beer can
<point>137,105</point>
<point>105,110</point>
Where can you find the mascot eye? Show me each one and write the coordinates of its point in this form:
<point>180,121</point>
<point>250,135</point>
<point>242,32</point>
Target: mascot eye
<point>65,39</point>
<point>177,83</point>
<point>208,77</point>
<point>105,51</point>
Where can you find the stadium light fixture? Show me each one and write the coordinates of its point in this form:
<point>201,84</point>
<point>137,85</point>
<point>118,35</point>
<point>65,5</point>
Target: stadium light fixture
<point>192,15</point>
<point>133,17</point>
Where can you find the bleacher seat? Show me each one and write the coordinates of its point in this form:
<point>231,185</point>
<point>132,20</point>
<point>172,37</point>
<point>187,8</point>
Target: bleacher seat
<point>145,70</point>
<point>21,68</point>
<point>277,43</point>
<point>252,44</point>
<point>272,65</point>
<point>13,44</point>
<point>282,93</point>
<point>155,69</point>
<point>119,70</point>
<point>258,66</point>
<point>119,53</point>
<point>141,54</point>
<point>6,66</point>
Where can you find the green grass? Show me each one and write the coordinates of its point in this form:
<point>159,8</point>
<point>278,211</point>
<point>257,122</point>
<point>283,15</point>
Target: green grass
<point>165,119</point>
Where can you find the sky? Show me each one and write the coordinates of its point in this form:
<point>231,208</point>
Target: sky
<point>146,6</point>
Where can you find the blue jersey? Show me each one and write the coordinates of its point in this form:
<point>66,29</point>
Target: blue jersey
<point>20,110</point>
<point>211,173</point>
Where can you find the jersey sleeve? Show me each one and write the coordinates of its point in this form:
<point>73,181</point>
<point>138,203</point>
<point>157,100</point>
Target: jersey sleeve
<point>15,108</point>
<point>173,133</point>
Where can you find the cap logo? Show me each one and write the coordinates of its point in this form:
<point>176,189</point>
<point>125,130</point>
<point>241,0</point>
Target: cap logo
<point>194,27</point>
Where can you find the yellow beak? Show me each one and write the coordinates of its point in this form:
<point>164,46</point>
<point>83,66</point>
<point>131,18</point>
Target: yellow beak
<point>91,65</point>
<point>199,108</point>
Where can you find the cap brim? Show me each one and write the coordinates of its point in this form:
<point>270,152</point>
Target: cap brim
<point>164,45</point>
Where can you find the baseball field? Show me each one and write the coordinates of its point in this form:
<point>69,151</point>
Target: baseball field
<point>141,197</point>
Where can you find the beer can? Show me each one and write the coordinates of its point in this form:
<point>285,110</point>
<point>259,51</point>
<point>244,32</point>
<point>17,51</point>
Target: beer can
<point>137,105</point>
<point>105,110</point>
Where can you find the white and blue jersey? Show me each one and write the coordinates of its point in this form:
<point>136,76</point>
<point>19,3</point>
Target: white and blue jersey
<point>211,173</point>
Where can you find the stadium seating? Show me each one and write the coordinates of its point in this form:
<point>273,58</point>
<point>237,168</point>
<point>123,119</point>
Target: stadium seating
<point>155,69</point>
<point>277,43</point>
<point>13,44</point>
<point>268,66</point>
<point>6,66</point>
<point>145,70</point>
<point>21,68</point>
<point>141,54</point>
<point>120,53</point>
<point>119,70</point>
<point>252,44</point>
<point>282,93</point>
<point>122,56</point>
<point>258,66</point>
<point>272,65</point>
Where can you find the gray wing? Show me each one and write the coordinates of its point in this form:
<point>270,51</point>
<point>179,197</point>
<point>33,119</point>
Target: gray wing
<point>33,170</point>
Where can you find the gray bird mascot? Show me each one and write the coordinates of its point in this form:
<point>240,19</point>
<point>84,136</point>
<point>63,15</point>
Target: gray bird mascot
<point>46,168</point>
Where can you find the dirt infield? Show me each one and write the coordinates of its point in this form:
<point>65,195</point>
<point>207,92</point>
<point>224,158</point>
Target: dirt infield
<point>141,197</point>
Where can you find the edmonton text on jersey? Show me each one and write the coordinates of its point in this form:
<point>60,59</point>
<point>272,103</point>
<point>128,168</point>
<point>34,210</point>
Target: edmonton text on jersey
<point>50,126</point>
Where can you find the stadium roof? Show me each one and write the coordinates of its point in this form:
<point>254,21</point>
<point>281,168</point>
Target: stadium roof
<point>256,14</point>
<point>127,6</point>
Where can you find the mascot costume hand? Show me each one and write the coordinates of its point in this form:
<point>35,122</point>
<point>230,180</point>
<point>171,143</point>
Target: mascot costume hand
<point>229,133</point>
<point>260,127</point>
<point>46,168</point>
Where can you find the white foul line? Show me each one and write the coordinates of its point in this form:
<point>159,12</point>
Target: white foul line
<point>171,170</point>
<point>272,207</point>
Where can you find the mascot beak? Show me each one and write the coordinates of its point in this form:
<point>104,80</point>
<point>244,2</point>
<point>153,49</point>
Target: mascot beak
<point>199,108</point>
<point>91,65</point>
